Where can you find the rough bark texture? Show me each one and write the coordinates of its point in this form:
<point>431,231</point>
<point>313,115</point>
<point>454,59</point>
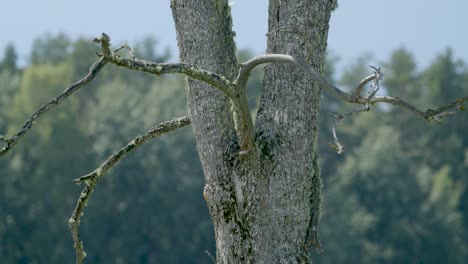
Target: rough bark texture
<point>287,122</point>
<point>205,38</point>
<point>264,203</point>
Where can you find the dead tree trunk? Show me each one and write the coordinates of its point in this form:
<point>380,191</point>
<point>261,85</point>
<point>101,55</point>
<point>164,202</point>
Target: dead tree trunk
<point>265,200</point>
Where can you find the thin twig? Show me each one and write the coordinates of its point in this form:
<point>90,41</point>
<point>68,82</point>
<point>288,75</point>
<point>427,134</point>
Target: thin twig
<point>91,179</point>
<point>92,73</point>
<point>360,86</point>
<point>211,256</point>
<point>375,87</point>
<point>337,146</point>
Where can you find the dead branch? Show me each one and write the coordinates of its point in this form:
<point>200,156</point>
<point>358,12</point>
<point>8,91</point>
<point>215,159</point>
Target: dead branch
<point>354,98</point>
<point>133,63</point>
<point>234,90</point>
<point>91,179</point>
<point>431,115</point>
<point>375,86</point>
<point>360,86</point>
<point>337,146</point>
<point>92,73</point>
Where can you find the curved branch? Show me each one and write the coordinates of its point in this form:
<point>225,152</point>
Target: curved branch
<point>354,98</point>
<point>248,66</point>
<point>337,146</point>
<point>92,178</point>
<point>92,73</point>
<point>244,120</point>
<point>360,86</point>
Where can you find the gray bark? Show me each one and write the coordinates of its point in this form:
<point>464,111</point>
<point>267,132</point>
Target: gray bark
<point>264,203</point>
<point>287,120</point>
<point>205,39</point>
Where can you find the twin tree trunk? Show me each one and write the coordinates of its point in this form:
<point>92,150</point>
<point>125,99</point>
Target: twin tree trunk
<point>265,202</point>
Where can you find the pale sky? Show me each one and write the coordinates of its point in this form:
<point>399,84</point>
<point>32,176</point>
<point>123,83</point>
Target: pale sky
<point>425,27</point>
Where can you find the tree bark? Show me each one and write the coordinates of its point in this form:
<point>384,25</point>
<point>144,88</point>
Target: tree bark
<point>264,202</point>
<point>205,39</point>
<point>287,122</point>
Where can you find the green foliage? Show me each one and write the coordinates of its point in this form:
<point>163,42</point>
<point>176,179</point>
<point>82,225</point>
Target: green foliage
<point>82,56</point>
<point>36,192</point>
<point>50,49</point>
<point>443,80</point>
<point>9,84</point>
<point>146,48</point>
<point>156,189</point>
<point>9,61</point>
<point>400,76</point>
<point>354,73</point>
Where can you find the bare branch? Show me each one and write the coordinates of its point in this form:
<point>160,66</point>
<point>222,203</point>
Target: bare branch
<point>248,66</point>
<point>429,113</point>
<point>211,256</point>
<point>213,79</point>
<point>234,90</point>
<point>244,122</point>
<point>360,86</point>
<point>107,55</point>
<point>337,146</point>
<point>92,178</point>
<point>375,87</point>
<point>355,98</point>
<point>191,71</point>
<point>92,73</point>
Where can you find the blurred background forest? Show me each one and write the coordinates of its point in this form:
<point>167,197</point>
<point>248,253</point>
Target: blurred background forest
<point>399,193</point>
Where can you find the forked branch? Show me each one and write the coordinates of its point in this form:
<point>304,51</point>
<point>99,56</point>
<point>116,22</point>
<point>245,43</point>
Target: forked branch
<point>91,179</point>
<point>355,97</point>
<point>106,55</point>
<point>235,90</point>
<point>432,115</point>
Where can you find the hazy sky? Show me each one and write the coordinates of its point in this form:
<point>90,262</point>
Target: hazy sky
<point>425,27</point>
